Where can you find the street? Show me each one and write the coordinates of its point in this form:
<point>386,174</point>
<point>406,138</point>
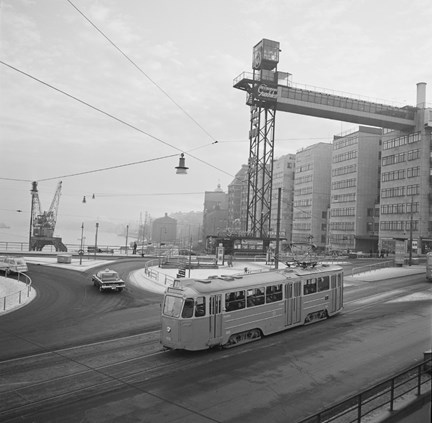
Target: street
<point>101,359</point>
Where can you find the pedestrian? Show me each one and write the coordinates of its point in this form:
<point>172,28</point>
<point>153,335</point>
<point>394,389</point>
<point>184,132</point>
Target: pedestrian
<point>134,247</point>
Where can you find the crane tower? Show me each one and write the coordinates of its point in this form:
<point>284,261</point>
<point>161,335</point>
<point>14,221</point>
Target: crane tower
<point>42,224</point>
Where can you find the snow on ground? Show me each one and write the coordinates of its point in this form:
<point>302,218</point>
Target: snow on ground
<point>162,277</point>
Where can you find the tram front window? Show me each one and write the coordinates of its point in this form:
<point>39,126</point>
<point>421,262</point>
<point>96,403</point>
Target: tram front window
<point>172,306</point>
<point>188,308</point>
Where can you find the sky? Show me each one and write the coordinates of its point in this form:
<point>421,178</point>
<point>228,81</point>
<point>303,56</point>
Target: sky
<point>72,104</point>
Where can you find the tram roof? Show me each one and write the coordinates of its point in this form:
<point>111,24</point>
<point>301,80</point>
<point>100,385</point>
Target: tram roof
<point>231,282</point>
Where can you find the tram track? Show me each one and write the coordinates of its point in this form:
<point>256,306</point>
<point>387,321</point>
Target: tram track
<point>24,397</point>
<point>76,376</point>
<point>378,298</point>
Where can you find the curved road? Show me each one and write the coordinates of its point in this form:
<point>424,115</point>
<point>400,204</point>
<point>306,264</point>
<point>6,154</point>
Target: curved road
<point>384,328</point>
<point>68,310</point>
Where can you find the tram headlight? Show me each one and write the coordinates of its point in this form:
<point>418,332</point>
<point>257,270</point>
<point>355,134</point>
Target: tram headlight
<point>168,329</point>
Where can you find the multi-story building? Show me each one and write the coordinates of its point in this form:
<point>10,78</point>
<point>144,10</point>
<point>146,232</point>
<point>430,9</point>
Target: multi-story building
<point>406,180</point>
<point>237,199</point>
<point>283,178</point>
<point>164,230</point>
<point>312,194</point>
<point>354,190</point>
<point>215,216</point>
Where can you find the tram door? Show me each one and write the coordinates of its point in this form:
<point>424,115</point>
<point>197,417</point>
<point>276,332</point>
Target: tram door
<point>293,303</point>
<point>336,292</point>
<point>215,323</point>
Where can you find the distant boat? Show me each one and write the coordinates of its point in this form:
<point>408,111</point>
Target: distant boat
<point>4,226</point>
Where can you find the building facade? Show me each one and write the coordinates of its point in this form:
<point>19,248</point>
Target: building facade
<point>312,194</point>
<point>283,178</point>
<point>237,199</point>
<point>215,216</point>
<point>406,179</point>
<point>354,190</point>
<point>164,230</point>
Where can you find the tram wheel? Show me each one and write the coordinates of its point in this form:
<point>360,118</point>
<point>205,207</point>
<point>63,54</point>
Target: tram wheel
<point>243,338</point>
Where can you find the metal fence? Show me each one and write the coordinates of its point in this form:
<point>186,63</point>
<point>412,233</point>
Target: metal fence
<point>370,267</point>
<point>412,382</point>
<point>11,300</point>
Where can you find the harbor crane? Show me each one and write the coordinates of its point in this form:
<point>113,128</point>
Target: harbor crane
<point>42,224</point>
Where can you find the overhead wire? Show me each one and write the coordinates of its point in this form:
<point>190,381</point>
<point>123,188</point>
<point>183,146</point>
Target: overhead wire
<point>139,69</point>
<point>110,116</point>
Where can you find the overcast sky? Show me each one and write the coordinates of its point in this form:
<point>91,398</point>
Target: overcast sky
<point>179,97</point>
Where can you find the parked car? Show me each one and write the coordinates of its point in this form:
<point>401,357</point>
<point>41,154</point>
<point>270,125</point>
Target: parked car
<point>107,250</point>
<point>108,280</point>
<point>186,252</point>
<point>13,264</point>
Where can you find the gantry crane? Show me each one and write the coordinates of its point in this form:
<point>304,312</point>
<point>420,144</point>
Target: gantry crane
<point>42,224</point>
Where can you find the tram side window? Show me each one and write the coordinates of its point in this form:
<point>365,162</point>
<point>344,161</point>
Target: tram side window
<point>273,293</point>
<point>188,308</point>
<point>310,286</point>
<point>234,300</point>
<point>323,283</point>
<point>200,307</point>
<point>255,297</point>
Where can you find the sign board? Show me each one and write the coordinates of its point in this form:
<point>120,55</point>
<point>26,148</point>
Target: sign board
<point>220,254</point>
<point>399,252</point>
<point>266,92</point>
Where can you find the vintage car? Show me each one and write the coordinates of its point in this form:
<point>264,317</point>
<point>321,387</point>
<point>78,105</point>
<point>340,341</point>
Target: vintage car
<point>13,264</point>
<point>106,250</point>
<point>108,280</point>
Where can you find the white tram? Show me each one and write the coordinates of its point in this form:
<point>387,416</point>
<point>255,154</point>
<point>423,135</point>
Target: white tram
<point>429,266</point>
<point>230,310</point>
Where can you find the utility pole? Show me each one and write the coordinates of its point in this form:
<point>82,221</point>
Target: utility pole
<point>81,248</point>
<point>96,247</point>
<point>411,232</point>
<point>278,229</point>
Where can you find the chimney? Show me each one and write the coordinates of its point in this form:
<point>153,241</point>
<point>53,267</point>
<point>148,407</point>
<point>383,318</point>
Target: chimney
<point>421,95</point>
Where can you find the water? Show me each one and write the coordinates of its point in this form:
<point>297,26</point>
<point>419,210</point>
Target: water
<point>68,236</point>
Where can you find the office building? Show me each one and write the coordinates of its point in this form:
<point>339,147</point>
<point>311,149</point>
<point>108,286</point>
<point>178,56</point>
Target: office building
<point>283,178</point>
<point>354,190</point>
<point>312,194</point>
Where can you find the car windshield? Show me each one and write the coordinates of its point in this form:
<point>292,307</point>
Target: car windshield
<point>172,306</point>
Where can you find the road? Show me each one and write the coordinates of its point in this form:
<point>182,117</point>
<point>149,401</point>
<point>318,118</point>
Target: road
<point>62,373</point>
<point>69,310</point>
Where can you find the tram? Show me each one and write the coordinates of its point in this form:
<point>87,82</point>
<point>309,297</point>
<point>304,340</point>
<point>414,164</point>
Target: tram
<point>226,311</point>
<point>429,266</point>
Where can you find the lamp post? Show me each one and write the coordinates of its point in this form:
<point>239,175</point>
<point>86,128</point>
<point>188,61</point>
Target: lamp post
<point>96,235</point>
<point>160,235</point>
<point>411,231</point>
<point>276,262</point>
<point>82,236</point>
<point>190,256</point>
<point>127,235</point>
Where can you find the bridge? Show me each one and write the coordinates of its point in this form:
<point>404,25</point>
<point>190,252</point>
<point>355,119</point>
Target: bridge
<point>289,97</point>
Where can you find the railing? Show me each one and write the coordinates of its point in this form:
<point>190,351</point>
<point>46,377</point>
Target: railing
<point>157,276</point>
<point>16,297</point>
<point>89,250</point>
<point>378,101</point>
<point>414,381</point>
<point>370,267</point>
